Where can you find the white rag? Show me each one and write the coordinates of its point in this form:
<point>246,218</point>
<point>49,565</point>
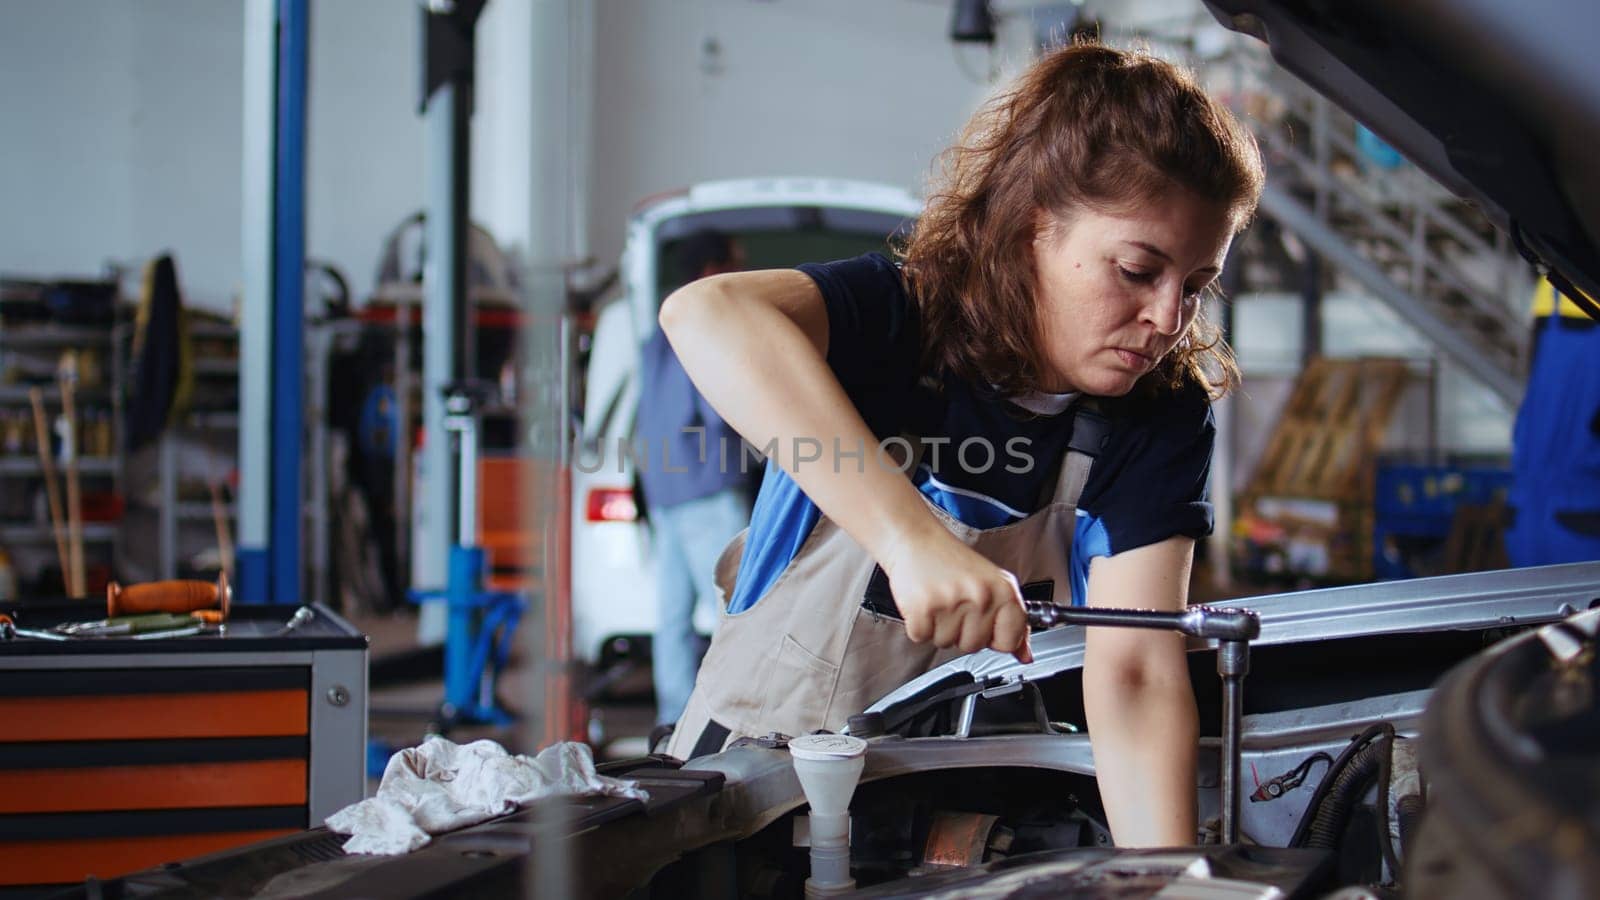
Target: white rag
<point>441,786</point>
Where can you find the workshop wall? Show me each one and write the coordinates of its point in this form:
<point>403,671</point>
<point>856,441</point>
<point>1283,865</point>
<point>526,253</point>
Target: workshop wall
<point>122,137</point>
<point>125,138</point>
<point>686,92</point>
<point>531,159</point>
<point>364,158</point>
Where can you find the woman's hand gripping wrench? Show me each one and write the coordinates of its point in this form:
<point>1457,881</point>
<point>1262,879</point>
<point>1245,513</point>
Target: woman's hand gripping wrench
<point>1232,629</point>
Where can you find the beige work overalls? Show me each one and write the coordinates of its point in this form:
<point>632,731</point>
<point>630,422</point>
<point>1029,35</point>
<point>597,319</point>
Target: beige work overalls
<point>808,655</point>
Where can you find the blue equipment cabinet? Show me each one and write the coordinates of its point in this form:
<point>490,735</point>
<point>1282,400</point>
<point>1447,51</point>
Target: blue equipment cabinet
<point>1415,506</point>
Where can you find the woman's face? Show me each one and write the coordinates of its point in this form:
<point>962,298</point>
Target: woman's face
<point>1115,291</point>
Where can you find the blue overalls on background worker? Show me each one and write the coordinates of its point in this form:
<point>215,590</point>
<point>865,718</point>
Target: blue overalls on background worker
<point>695,493</point>
<point>1555,457</point>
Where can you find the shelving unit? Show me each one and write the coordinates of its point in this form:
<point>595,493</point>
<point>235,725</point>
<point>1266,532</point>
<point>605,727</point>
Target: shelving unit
<point>87,465</point>
<point>49,335</point>
<point>30,352</point>
<point>166,518</point>
<point>215,420</point>
<point>209,432</point>
<point>13,394</point>
<point>93,533</point>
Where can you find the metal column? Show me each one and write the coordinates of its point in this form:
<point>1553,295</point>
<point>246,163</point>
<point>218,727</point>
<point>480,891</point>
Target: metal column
<point>448,347</point>
<point>276,45</point>
<point>255,326</point>
<point>288,308</point>
<point>560,67</point>
<point>1311,343</point>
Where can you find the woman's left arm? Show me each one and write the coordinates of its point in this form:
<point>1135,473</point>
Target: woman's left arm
<point>1143,727</point>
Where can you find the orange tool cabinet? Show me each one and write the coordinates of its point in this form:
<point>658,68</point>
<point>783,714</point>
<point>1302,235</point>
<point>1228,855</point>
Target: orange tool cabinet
<point>119,754</point>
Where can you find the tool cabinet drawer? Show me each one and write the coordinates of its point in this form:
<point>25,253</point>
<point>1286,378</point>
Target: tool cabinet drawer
<point>121,754</point>
<point>112,704</point>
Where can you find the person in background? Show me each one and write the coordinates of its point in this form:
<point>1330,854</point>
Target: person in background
<point>695,496</point>
<point>1555,447</point>
<point>1041,339</point>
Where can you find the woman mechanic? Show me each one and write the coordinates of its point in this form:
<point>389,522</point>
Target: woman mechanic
<point>1021,407</point>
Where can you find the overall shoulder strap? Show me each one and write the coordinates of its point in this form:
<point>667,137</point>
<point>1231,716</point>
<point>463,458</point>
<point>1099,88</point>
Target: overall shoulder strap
<point>933,388</point>
<point>1090,431</point>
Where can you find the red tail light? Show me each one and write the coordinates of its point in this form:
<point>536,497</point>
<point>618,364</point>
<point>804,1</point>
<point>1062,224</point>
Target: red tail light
<point>611,505</point>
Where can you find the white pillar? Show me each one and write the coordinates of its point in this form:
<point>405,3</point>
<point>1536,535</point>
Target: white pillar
<point>260,54</point>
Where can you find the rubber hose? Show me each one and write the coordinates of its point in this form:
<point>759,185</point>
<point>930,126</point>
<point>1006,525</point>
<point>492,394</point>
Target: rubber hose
<point>1328,778</point>
<point>1408,810</point>
<point>1385,837</point>
<point>1329,822</point>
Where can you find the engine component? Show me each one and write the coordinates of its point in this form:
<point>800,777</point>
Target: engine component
<point>1276,787</point>
<point>1407,796</point>
<point>866,725</point>
<point>1512,785</point>
<point>828,766</point>
<point>964,839</point>
<point>1368,758</point>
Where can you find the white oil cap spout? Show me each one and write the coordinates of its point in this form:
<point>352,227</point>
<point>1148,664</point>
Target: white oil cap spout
<point>828,766</point>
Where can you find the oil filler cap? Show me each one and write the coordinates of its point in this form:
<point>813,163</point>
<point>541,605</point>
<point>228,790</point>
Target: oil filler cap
<point>824,747</point>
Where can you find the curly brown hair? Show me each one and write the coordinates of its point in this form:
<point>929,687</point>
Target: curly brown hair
<point>1086,126</point>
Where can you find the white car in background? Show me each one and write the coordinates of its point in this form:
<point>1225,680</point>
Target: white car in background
<point>780,222</point>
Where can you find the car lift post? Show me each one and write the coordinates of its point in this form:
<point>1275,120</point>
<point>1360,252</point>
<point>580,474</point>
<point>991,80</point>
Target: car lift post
<point>271,346</point>
<point>449,29</point>
<point>450,398</point>
<point>472,654</point>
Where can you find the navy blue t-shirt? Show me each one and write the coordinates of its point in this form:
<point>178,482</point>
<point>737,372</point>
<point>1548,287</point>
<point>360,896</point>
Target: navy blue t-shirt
<point>986,460</point>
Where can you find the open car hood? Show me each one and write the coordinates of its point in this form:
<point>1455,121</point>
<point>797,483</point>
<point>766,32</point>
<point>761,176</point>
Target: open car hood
<point>1498,101</point>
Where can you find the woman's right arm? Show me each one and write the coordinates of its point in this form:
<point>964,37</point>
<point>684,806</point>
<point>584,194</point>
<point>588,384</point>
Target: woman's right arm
<point>755,345</point>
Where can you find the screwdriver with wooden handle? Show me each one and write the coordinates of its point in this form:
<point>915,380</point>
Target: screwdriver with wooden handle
<point>178,597</point>
<point>158,606</point>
